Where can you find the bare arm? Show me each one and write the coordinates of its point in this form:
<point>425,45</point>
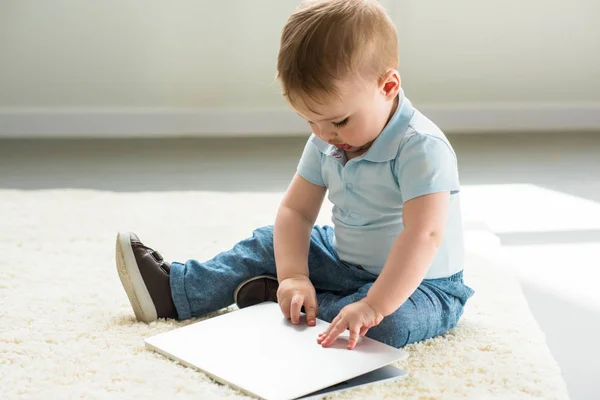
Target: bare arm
<point>295,219</point>
<point>413,251</point>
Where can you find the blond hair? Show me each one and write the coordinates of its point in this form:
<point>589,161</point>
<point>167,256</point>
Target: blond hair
<point>325,41</point>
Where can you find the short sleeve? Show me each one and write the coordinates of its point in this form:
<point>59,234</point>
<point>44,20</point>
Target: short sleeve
<point>426,164</point>
<point>309,166</point>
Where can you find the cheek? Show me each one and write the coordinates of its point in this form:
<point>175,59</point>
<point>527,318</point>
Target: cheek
<point>370,128</point>
<point>360,130</point>
<point>315,129</point>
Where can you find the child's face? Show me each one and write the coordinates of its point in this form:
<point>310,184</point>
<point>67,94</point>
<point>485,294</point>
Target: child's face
<point>354,120</point>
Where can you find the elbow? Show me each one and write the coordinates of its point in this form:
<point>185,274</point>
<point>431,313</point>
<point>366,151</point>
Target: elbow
<point>436,237</point>
<point>429,237</point>
<point>287,215</point>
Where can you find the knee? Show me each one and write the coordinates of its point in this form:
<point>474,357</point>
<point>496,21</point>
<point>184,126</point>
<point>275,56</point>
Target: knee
<point>263,232</point>
<point>409,325</point>
<point>263,237</point>
<point>394,330</point>
<point>260,243</point>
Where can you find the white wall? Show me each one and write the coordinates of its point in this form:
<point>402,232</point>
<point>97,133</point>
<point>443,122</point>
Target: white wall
<point>115,56</point>
<point>139,53</point>
<point>536,51</point>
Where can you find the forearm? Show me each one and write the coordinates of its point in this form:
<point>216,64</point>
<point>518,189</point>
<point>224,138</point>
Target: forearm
<point>403,272</point>
<point>291,240</point>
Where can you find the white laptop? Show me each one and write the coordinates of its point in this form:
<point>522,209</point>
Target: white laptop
<point>259,352</point>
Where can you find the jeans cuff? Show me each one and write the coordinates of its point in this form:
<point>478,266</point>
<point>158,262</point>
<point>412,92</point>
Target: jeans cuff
<point>180,299</point>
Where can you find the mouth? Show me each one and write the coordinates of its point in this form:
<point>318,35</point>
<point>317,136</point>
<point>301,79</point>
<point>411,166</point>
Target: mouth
<point>343,146</point>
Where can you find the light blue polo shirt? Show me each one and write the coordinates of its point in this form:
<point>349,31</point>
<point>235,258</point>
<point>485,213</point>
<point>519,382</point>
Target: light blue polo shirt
<point>410,158</point>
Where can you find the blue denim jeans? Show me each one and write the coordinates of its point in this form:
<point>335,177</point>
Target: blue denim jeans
<point>199,288</point>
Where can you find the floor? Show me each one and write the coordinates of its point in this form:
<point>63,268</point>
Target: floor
<point>539,193</point>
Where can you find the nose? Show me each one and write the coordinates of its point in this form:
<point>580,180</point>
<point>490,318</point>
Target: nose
<point>333,139</point>
<point>329,135</point>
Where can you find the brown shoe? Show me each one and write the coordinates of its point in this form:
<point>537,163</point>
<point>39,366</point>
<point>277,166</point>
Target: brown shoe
<point>256,290</point>
<point>145,277</point>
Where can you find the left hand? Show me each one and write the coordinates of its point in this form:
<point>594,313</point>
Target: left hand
<point>359,317</point>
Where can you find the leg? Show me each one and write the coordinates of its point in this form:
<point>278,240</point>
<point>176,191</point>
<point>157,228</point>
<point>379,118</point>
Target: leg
<point>433,309</point>
<point>199,288</point>
<point>202,287</point>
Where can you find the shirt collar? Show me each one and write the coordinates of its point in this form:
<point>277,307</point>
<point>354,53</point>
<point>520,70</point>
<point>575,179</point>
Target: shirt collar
<point>385,146</point>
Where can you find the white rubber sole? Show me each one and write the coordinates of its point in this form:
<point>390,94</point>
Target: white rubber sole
<point>237,289</point>
<point>132,280</point>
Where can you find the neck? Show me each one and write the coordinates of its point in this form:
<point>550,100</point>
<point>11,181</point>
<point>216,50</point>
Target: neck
<point>393,109</point>
<point>364,148</point>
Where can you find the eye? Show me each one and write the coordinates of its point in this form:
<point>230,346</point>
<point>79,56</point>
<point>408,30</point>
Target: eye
<point>341,123</point>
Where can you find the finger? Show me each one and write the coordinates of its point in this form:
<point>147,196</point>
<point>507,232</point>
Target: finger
<point>333,335</point>
<point>364,330</point>
<point>284,304</point>
<point>323,335</point>
<point>310,306</point>
<point>295,308</point>
<point>335,332</point>
<point>353,339</point>
<point>330,327</point>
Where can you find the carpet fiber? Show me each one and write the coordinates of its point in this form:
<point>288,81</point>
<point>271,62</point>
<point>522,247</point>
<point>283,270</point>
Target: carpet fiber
<point>67,331</point>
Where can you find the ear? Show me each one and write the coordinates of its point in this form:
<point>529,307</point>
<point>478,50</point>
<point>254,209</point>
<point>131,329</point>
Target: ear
<point>389,84</point>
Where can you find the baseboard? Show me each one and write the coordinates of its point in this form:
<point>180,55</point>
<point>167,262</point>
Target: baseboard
<point>180,122</point>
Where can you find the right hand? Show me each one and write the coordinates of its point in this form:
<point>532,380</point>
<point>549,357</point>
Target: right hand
<point>295,292</point>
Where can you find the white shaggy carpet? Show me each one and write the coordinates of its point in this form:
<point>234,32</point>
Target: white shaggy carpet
<point>67,331</point>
